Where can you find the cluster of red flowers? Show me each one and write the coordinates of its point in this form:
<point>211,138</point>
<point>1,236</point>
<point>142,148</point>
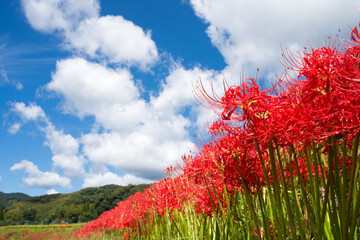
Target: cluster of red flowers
<point>322,102</point>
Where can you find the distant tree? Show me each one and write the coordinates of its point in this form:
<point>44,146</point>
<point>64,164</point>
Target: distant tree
<point>101,206</point>
<point>29,215</point>
<point>72,213</point>
<point>51,219</point>
<point>61,214</point>
<point>1,213</point>
<point>86,207</point>
<point>13,215</point>
<point>87,213</point>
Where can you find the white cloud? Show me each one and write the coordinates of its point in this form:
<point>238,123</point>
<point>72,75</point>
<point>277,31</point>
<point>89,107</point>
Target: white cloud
<point>51,191</point>
<point>14,128</point>
<point>176,91</point>
<point>60,15</point>
<point>142,153</point>
<point>116,39</point>
<point>18,85</point>
<point>101,179</point>
<point>89,86</point>
<point>29,113</point>
<point>140,137</point>
<point>72,165</point>
<point>37,178</point>
<point>63,146</point>
<point>91,89</point>
<point>110,37</point>
<point>59,142</point>
<point>249,33</point>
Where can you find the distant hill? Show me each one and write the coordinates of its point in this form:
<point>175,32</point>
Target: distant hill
<point>81,206</point>
<point>8,199</point>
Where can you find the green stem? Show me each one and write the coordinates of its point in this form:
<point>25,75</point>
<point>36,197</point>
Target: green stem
<point>304,192</point>
<point>344,183</point>
<point>326,202</point>
<point>333,207</point>
<point>317,191</point>
<point>271,196</point>
<point>298,209</point>
<point>354,153</point>
<point>252,209</point>
<point>355,217</point>
<point>264,216</point>
<point>285,186</point>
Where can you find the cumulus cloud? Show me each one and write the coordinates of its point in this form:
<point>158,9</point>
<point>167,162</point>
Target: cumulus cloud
<point>29,113</point>
<point>140,137</point>
<point>51,191</point>
<point>58,15</point>
<point>64,147</point>
<point>176,91</point>
<point>59,142</point>
<point>101,179</point>
<point>140,153</point>
<point>116,39</point>
<point>88,86</point>
<point>37,178</point>
<point>249,33</point>
<point>72,165</point>
<point>109,37</point>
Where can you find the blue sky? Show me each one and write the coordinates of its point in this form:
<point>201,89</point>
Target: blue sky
<point>94,92</point>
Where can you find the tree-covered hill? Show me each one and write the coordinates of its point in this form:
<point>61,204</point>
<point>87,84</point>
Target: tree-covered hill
<point>8,199</point>
<point>81,206</point>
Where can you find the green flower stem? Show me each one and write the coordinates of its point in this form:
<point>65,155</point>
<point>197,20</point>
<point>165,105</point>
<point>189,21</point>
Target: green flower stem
<point>270,192</point>
<point>313,193</point>
<point>317,190</point>
<point>344,184</point>
<point>252,209</point>
<point>333,207</point>
<point>295,197</point>
<point>285,188</point>
<point>264,216</point>
<point>356,214</point>
<point>304,192</point>
<point>354,153</point>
